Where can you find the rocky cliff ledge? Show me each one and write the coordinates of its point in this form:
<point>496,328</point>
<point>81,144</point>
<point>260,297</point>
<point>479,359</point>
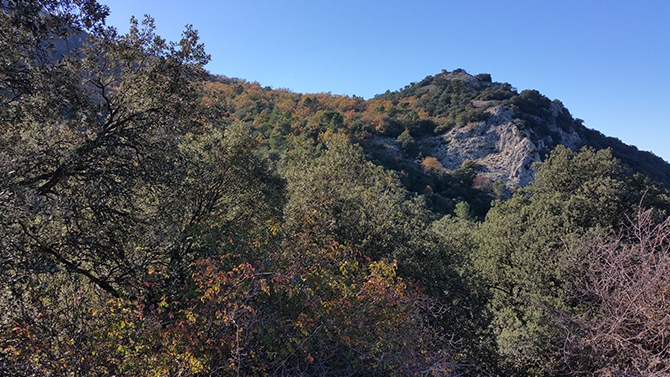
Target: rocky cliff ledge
<point>503,149</point>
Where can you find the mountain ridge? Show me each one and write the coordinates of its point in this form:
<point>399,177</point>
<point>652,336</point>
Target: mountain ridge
<point>511,124</point>
<point>451,137</point>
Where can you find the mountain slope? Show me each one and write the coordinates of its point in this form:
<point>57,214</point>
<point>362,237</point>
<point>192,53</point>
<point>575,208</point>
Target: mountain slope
<point>505,132</point>
<point>452,137</point>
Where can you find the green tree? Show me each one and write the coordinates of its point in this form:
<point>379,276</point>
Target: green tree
<point>112,168</point>
<point>522,250</point>
<point>463,211</point>
<point>105,154</point>
<point>407,142</point>
<point>337,195</point>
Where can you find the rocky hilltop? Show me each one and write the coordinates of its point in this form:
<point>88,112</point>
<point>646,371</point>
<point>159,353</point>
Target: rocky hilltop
<point>501,131</point>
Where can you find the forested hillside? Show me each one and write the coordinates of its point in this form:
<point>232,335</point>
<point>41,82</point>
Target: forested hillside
<point>159,220</point>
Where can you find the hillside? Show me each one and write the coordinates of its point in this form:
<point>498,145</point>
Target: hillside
<point>158,220</point>
<point>452,137</point>
<point>504,131</point>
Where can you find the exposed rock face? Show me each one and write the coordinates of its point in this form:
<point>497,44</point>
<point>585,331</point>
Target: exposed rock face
<point>499,145</point>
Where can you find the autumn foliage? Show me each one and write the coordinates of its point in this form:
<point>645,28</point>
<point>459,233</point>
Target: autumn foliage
<point>158,220</point>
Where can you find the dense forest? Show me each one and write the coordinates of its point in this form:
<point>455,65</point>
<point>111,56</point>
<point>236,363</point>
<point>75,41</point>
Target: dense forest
<point>159,220</point>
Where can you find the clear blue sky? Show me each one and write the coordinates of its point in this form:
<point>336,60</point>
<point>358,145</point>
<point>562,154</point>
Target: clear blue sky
<point>607,61</point>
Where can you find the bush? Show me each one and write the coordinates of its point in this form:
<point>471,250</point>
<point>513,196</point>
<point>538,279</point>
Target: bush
<point>621,293</point>
<point>407,142</point>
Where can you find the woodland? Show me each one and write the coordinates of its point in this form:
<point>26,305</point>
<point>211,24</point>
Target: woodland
<point>160,220</point>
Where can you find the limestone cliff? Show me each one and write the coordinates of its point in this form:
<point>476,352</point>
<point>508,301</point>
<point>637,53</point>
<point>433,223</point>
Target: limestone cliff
<point>517,130</point>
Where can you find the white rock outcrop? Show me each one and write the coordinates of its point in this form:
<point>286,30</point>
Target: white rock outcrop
<point>497,145</point>
<point>502,149</point>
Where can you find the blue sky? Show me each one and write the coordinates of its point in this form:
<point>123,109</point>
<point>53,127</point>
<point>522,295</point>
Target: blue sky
<point>607,61</point>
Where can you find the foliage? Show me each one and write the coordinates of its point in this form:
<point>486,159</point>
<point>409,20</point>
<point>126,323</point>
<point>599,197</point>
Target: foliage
<point>619,291</point>
<point>113,171</point>
<point>337,195</point>
<point>348,314</point>
<point>95,160</point>
<point>156,220</point>
<point>407,142</point>
<point>522,253</point>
